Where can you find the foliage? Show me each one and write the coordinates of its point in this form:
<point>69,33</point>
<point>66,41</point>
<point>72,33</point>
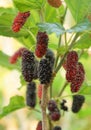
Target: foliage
<point>51,20</point>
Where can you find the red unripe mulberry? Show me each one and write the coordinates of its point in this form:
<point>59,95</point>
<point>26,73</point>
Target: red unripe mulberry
<point>55,3</point>
<point>42,43</point>
<point>79,78</point>
<point>39,126</point>
<point>20,20</point>
<point>40,86</point>
<point>13,59</point>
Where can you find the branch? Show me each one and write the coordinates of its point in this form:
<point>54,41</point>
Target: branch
<point>43,107</point>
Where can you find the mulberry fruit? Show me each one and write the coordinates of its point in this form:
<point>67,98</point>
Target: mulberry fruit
<point>40,91</point>
<point>20,20</point>
<point>45,71</point>
<point>50,56</point>
<point>62,105</point>
<point>39,126</point>
<point>13,59</point>
<point>71,64</point>
<point>28,65</point>
<point>78,101</point>
<point>55,3</point>
<point>31,94</point>
<point>52,105</point>
<point>79,78</point>
<point>42,43</point>
<point>36,69</point>
<point>57,128</point>
<point>55,115</point>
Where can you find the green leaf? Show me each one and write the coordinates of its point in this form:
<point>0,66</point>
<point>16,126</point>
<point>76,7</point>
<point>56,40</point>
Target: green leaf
<point>79,8</point>
<point>52,28</point>
<point>4,62</point>
<point>26,5</point>
<point>84,113</point>
<point>84,42</point>
<point>6,20</point>
<point>16,102</point>
<point>80,27</point>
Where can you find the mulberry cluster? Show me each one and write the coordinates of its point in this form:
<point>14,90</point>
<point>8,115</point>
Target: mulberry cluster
<point>40,91</point>
<point>72,59</point>
<point>55,3</point>
<point>62,105</point>
<point>78,101</point>
<point>75,73</point>
<point>42,43</point>
<point>45,71</point>
<point>50,56</point>
<point>31,94</point>
<point>28,65</point>
<point>57,128</point>
<point>79,78</point>
<point>39,125</point>
<point>20,20</point>
<point>13,59</point>
<point>54,112</point>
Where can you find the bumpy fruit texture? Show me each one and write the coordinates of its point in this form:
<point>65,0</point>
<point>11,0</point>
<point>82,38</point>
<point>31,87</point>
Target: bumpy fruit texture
<point>39,126</point>
<point>42,43</point>
<point>45,71</point>
<point>71,64</point>
<point>31,94</point>
<point>19,21</point>
<point>55,115</point>
<point>55,3</point>
<point>54,112</point>
<point>40,86</point>
<point>50,56</point>
<point>52,105</point>
<point>79,78</point>
<point>36,69</point>
<point>78,101</point>
<point>57,128</point>
<point>13,59</point>
<point>28,65</point>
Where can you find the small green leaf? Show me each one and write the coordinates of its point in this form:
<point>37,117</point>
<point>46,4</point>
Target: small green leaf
<point>16,102</point>
<point>84,42</point>
<point>52,28</point>
<point>26,5</point>
<point>80,27</point>
<point>4,62</point>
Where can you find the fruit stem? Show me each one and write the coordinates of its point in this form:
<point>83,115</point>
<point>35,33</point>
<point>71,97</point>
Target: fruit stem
<point>63,88</point>
<point>43,107</point>
<point>62,60</point>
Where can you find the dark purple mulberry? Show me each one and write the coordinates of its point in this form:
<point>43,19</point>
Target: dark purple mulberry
<point>55,115</point>
<point>31,94</point>
<point>28,65</point>
<point>52,105</point>
<point>50,56</point>
<point>45,71</point>
<point>78,101</point>
<point>57,128</point>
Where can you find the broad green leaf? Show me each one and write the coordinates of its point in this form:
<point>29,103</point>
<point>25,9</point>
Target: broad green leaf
<point>4,62</point>
<point>81,27</point>
<point>16,102</point>
<point>55,14</point>
<point>52,28</point>
<point>84,42</point>
<point>26,5</point>
<point>79,8</point>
